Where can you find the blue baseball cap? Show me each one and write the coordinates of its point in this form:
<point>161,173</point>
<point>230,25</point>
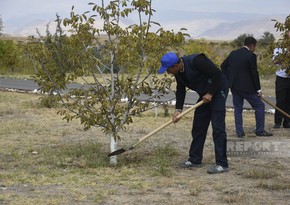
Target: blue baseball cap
<point>168,60</point>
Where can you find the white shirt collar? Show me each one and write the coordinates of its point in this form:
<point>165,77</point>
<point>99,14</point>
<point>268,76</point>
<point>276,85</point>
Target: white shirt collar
<point>246,47</point>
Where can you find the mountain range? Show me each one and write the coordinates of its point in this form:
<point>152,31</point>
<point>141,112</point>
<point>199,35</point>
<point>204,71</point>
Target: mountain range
<point>207,25</point>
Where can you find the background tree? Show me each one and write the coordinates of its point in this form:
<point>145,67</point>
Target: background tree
<point>9,56</point>
<point>265,43</point>
<point>1,25</point>
<point>128,54</point>
<point>239,41</point>
<point>211,49</point>
<point>267,39</point>
<point>12,58</point>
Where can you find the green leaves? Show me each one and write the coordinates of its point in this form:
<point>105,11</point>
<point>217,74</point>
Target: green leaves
<point>118,58</point>
<point>284,43</point>
<point>9,56</point>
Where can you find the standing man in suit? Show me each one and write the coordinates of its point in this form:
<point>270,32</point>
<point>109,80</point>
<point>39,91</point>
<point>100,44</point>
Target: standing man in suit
<point>282,86</point>
<point>240,67</point>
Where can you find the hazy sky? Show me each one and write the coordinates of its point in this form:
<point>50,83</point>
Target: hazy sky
<point>17,13</point>
<point>12,8</point>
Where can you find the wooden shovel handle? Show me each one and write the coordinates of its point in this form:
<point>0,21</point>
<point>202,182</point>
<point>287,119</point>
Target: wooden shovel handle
<point>280,110</point>
<point>167,123</point>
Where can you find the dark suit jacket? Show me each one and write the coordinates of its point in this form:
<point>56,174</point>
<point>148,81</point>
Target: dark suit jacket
<point>240,67</point>
<point>201,75</point>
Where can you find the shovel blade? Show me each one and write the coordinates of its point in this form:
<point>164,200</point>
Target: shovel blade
<point>116,152</point>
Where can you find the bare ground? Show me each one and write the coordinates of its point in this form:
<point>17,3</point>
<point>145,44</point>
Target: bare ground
<point>39,163</point>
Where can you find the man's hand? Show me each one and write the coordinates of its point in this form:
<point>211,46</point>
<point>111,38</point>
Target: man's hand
<point>207,98</point>
<point>175,118</point>
<point>260,93</point>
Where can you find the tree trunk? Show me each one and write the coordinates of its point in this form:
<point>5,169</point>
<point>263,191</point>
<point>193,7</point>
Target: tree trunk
<point>156,108</point>
<point>113,147</point>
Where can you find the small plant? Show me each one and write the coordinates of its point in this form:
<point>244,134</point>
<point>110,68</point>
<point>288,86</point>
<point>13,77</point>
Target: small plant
<point>162,158</point>
<point>100,195</point>
<point>166,110</point>
<point>233,197</point>
<point>49,101</point>
<point>196,190</point>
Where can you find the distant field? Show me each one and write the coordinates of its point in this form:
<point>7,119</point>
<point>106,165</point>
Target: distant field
<point>15,38</point>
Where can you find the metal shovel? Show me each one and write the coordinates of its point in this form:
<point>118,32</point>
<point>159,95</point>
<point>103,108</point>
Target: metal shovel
<point>120,151</point>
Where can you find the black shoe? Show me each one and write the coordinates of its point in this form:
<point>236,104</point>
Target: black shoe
<point>264,134</point>
<point>241,135</point>
<point>277,125</point>
<point>286,125</point>
<point>216,169</point>
<point>188,164</point>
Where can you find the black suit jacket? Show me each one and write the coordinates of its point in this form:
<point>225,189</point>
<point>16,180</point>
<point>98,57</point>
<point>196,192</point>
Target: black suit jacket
<point>240,67</point>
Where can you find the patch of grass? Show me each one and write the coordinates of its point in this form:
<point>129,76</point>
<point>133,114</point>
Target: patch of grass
<point>161,160</point>
<point>6,112</point>
<point>100,195</point>
<point>278,165</point>
<point>274,186</point>
<point>32,104</point>
<point>21,200</point>
<point>157,162</point>
<point>233,197</point>
<point>16,75</point>
<point>196,190</point>
<point>142,131</point>
<point>260,173</point>
<point>82,155</point>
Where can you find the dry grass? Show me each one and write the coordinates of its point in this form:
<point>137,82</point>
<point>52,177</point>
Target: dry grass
<point>260,173</point>
<point>279,185</point>
<point>44,160</point>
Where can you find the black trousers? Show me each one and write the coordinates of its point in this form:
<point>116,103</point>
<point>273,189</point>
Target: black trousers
<point>282,91</point>
<point>215,113</point>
